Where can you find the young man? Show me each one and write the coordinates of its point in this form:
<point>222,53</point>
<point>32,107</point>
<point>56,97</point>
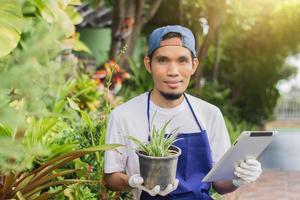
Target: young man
<point>171,60</point>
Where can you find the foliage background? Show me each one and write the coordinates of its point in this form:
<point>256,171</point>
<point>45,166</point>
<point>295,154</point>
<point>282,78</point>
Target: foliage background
<point>50,105</point>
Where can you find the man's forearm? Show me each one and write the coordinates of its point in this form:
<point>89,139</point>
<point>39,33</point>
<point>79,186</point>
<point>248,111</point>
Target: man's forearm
<point>117,181</point>
<point>223,187</point>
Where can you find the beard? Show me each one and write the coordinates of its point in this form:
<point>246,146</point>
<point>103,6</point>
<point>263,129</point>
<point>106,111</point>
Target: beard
<point>170,96</point>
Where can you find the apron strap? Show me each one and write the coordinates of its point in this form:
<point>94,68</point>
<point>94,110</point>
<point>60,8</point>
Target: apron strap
<point>148,111</point>
<point>191,108</point>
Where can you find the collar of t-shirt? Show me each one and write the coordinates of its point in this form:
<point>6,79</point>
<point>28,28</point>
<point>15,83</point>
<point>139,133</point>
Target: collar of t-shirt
<point>168,111</point>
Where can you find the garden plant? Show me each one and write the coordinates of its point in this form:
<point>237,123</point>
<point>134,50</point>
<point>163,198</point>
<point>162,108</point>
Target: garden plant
<point>158,157</point>
<point>49,108</point>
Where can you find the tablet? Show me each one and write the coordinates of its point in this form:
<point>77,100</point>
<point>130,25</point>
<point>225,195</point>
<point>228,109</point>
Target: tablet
<point>250,144</point>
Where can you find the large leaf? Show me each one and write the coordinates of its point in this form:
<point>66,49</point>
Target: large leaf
<point>52,12</point>
<point>10,26</point>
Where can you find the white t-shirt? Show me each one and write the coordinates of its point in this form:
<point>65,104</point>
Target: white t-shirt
<point>130,118</point>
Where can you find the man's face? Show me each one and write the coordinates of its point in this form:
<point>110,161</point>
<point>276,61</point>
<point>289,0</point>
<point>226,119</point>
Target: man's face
<point>171,68</point>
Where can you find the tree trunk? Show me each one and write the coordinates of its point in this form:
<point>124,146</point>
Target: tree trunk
<point>215,10</point>
<point>133,39</point>
<point>216,65</point>
<point>131,8</point>
<point>118,15</point>
<point>130,18</point>
<point>202,54</point>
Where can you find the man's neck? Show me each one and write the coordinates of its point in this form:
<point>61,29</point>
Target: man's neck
<point>161,101</point>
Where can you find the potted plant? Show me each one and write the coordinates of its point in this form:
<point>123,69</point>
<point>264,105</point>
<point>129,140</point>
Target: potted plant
<point>158,157</point>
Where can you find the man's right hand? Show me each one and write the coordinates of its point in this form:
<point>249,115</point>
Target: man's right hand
<point>247,172</point>
<point>136,181</point>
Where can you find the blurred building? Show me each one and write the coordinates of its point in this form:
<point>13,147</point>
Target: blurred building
<point>287,112</point>
<point>288,108</point>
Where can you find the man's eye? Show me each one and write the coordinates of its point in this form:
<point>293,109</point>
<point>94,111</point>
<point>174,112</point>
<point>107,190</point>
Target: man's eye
<point>162,60</point>
<point>182,60</point>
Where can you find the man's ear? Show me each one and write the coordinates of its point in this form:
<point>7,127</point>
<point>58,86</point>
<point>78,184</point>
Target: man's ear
<point>147,63</point>
<point>195,65</point>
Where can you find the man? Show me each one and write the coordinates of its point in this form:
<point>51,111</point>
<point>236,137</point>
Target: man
<point>171,60</point>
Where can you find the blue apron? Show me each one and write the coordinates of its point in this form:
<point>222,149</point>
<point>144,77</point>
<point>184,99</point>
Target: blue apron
<point>194,163</point>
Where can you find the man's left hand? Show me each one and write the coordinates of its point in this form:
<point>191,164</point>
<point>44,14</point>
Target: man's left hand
<point>247,172</point>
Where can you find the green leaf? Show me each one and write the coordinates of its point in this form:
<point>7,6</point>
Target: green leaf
<point>73,105</point>
<point>75,2</point>
<point>65,22</point>
<point>20,196</point>
<point>81,167</point>
<point>80,46</point>
<point>64,3</point>
<point>11,15</point>
<point>159,143</point>
<point>73,15</point>
<point>45,10</point>
<point>10,26</point>
<point>100,148</point>
<point>87,120</point>
<point>5,130</point>
<point>56,183</point>
<point>51,12</point>
<point>48,195</point>
<point>59,106</point>
<point>135,140</point>
<point>42,172</point>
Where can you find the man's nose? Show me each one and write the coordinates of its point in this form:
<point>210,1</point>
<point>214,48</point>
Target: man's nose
<point>173,69</point>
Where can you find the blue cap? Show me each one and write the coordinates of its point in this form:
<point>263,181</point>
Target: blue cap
<point>187,37</point>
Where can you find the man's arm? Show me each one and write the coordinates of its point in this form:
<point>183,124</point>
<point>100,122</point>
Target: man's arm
<point>223,187</point>
<point>117,181</point>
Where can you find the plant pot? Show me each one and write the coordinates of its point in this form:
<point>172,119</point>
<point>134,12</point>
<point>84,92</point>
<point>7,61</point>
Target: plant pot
<point>158,170</point>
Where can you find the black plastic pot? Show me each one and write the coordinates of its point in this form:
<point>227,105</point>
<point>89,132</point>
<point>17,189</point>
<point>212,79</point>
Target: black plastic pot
<point>158,170</point>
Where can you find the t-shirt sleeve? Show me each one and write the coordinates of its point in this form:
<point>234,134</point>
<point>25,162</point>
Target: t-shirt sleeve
<point>219,138</point>
<point>115,161</point>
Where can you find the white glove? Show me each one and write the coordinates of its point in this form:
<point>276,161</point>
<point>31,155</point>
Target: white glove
<point>136,181</point>
<point>247,172</point>
<point>170,188</point>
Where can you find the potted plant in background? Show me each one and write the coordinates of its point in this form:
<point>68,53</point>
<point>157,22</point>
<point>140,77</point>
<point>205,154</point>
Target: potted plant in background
<point>158,157</point>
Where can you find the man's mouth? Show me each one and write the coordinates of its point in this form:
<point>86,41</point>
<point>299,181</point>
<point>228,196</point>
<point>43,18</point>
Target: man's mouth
<point>173,84</point>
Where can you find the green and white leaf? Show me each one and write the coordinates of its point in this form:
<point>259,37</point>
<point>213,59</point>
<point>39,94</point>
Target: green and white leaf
<point>73,105</point>
<point>74,15</point>
<point>10,26</point>
<point>52,12</point>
